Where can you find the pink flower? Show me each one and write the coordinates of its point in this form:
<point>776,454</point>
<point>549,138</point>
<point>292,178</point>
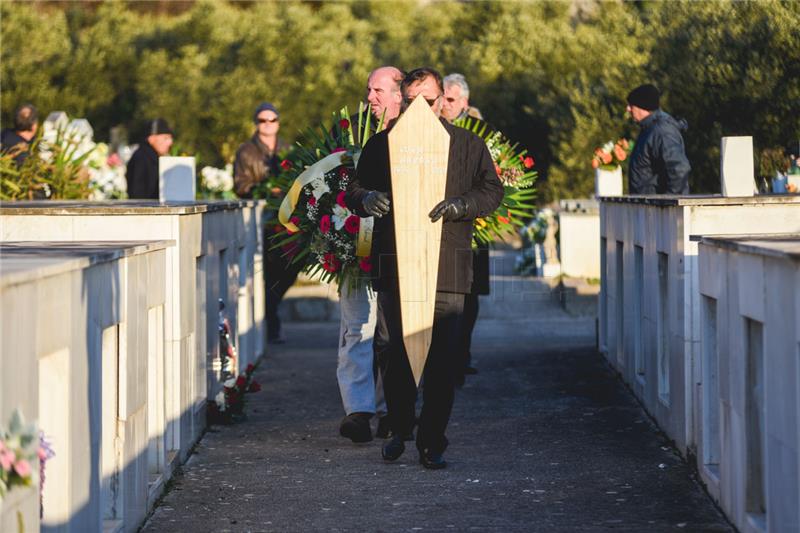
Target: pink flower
<point>286,164</point>
<point>114,160</point>
<point>7,458</point>
<point>23,468</point>
<point>325,224</point>
<point>365,264</point>
<point>351,224</point>
<point>312,201</point>
<point>337,150</point>
<point>296,222</point>
<point>42,453</point>
<point>528,162</point>
<point>340,199</point>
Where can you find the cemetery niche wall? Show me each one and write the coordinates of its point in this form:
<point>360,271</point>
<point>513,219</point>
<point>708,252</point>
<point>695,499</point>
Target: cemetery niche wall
<point>215,255</point>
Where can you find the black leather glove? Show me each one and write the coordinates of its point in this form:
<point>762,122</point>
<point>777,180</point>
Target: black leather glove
<point>451,209</point>
<point>376,203</point>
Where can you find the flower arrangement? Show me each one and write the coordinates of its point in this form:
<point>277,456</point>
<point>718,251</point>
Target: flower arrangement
<point>217,183</point>
<point>21,445</point>
<point>611,154</point>
<point>318,227</point>
<point>228,405</point>
<point>514,167</point>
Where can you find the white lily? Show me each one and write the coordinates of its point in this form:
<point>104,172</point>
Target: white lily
<point>340,214</point>
<point>319,187</point>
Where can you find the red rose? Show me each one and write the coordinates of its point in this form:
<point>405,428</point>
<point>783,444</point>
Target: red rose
<point>296,222</point>
<point>365,264</point>
<point>254,387</point>
<point>325,224</point>
<point>337,150</point>
<point>351,224</point>
<point>330,263</point>
<point>241,381</point>
<point>340,199</point>
<point>312,201</point>
<point>528,162</point>
<point>344,123</point>
<point>250,368</point>
<point>286,164</point>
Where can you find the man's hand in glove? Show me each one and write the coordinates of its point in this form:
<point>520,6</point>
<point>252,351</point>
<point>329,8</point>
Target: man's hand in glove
<point>377,203</point>
<point>451,209</point>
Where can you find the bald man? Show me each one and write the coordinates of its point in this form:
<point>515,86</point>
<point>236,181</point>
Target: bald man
<point>360,382</point>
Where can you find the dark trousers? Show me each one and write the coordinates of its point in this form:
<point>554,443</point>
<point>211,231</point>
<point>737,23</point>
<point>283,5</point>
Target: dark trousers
<point>279,275</point>
<point>439,373</point>
<point>471,309</point>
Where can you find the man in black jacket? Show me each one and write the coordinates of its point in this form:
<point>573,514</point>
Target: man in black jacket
<point>18,139</point>
<point>472,190</point>
<point>658,164</point>
<point>142,171</point>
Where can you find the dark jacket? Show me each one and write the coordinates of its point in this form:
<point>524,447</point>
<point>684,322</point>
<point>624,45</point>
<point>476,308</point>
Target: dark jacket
<point>470,175</point>
<point>10,140</point>
<point>253,163</point>
<point>658,164</point>
<point>142,173</point>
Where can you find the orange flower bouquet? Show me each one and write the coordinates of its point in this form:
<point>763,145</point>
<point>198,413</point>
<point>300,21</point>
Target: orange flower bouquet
<point>612,154</point>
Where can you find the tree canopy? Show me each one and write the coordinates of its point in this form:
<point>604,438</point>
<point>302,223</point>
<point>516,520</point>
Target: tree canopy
<point>551,75</point>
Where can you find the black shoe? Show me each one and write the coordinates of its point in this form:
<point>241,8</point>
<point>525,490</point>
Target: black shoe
<point>355,427</point>
<point>383,430</point>
<point>431,460</point>
<point>393,449</point>
<point>470,370</point>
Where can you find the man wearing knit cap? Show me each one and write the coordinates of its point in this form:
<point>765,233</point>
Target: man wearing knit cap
<point>142,171</point>
<point>256,161</point>
<point>658,164</point>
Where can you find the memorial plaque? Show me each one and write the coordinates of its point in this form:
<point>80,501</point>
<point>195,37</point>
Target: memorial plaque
<point>176,179</point>
<point>418,151</point>
<point>736,167</point>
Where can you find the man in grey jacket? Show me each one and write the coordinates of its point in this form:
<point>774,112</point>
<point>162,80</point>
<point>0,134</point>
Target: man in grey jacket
<point>658,164</point>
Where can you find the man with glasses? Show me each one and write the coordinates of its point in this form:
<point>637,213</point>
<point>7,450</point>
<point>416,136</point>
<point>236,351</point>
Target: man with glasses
<point>456,99</point>
<point>257,160</point>
<point>472,190</point>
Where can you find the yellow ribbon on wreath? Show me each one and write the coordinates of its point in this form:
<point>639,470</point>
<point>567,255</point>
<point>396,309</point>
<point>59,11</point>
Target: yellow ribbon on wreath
<point>318,171</point>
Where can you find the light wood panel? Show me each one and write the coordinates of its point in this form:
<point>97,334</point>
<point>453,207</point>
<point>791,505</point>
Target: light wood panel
<point>418,152</point>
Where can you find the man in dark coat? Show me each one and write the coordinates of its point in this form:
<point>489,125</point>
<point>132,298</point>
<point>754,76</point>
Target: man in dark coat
<point>658,164</point>
<point>472,190</point>
<point>142,171</point>
<point>18,139</point>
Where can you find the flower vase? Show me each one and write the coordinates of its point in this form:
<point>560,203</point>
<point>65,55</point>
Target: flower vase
<point>608,182</point>
<point>779,183</point>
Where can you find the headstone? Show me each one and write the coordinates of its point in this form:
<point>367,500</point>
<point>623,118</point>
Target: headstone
<point>608,182</point>
<point>552,266</point>
<point>176,179</point>
<point>736,167</point>
<point>418,152</point>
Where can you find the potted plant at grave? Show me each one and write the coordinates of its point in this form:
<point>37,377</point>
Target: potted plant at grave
<point>607,164</point>
<point>774,165</point>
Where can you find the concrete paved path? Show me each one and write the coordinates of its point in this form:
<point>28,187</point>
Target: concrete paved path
<point>544,438</point>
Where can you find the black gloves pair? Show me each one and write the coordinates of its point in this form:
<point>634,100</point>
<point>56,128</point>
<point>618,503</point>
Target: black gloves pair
<point>377,204</point>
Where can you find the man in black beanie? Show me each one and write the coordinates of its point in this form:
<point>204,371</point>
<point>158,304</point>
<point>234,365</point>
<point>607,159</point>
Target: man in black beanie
<point>142,171</point>
<point>658,164</point>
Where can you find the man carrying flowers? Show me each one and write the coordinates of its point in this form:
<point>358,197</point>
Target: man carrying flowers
<point>360,383</point>
<point>472,190</point>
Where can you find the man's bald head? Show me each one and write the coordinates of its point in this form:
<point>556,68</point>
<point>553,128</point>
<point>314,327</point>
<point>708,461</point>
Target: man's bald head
<point>383,92</point>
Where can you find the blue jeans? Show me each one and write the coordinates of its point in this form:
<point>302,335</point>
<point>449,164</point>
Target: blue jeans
<point>360,386</point>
